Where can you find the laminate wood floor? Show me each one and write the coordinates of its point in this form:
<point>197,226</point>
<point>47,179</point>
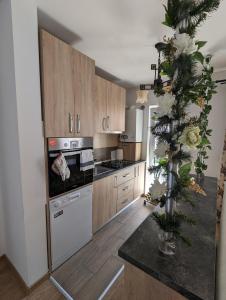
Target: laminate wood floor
<point>91,267</point>
<point>89,263</point>
<point>11,287</point>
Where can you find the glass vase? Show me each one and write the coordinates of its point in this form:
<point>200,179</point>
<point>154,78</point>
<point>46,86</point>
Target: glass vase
<point>167,243</point>
<point>200,178</point>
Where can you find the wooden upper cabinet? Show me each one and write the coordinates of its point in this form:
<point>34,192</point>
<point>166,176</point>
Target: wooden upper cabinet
<point>67,89</point>
<point>110,102</point>
<point>84,72</point>
<point>57,86</point>
<point>100,108</point>
<point>116,105</point>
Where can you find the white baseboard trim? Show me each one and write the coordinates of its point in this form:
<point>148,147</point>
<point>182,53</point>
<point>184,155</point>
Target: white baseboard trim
<point>111,283</point>
<point>60,289</point>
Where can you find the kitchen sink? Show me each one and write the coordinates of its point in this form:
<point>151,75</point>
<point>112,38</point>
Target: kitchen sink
<point>101,170</point>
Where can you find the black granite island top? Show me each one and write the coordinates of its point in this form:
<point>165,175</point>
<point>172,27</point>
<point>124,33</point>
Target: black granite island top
<point>191,271</point>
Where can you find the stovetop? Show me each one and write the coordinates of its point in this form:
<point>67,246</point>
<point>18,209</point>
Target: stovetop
<point>117,164</point>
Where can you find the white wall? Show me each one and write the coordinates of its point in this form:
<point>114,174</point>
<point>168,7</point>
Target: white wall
<point>22,150</point>
<point>217,122</point>
<point>2,225</point>
<point>26,55</point>
<point>15,246</point>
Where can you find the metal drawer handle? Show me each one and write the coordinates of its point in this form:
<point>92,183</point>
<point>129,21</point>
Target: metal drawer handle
<point>70,123</point>
<point>108,121</point>
<point>115,179</point>
<point>125,175</point>
<point>103,124</point>
<point>124,201</point>
<point>78,123</point>
<point>125,188</point>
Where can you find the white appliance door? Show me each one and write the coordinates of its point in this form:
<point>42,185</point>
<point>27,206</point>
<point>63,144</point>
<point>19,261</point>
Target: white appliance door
<point>134,126</point>
<point>70,224</point>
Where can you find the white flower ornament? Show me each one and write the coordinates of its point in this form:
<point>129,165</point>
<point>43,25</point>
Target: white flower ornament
<point>157,190</point>
<point>161,150</point>
<point>190,137</point>
<point>184,44</point>
<point>165,104</point>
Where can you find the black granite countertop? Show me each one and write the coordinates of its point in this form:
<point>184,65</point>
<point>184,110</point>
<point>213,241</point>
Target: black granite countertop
<point>112,171</point>
<point>191,271</point>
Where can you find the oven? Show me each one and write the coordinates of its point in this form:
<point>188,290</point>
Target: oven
<point>81,171</point>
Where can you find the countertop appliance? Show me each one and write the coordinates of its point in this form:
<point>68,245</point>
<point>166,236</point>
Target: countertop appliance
<point>72,149</point>
<point>70,224</point>
<point>134,126</point>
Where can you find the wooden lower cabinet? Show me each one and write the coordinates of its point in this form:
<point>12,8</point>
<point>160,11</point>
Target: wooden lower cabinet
<point>112,193</point>
<point>104,201</point>
<point>139,177</point>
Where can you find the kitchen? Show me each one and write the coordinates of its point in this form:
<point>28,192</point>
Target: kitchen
<point>89,183</point>
<point>77,146</point>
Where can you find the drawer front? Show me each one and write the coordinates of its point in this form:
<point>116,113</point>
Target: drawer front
<point>124,201</point>
<point>126,189</point>
<point>125,194</point>
<point>124,176</point>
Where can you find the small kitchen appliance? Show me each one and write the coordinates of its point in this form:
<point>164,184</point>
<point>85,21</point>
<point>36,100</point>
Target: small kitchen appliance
<point>78,154</point>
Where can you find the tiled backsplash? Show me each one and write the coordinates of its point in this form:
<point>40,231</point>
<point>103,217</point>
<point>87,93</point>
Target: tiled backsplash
<point>101,154</point>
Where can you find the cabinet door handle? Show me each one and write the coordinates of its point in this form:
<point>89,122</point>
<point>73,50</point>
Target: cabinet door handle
<point>125,175</point>
<point>108,122</point>
<point>103,123</point>
<point>78,123</point>
<point>125,188</point>
<point>70,123</point>
<point>115,179</point>
<point>124,201</point>
<point>135,171</point>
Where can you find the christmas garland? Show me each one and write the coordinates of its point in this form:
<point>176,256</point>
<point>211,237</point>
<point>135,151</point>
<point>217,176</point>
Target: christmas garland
<point>185,79</point>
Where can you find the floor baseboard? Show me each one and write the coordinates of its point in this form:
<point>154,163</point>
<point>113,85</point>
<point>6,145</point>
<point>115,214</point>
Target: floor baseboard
<point>23,284</point>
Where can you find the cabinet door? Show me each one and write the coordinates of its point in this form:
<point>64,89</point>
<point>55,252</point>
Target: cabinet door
<point>141,176</point>
<point>122,109</point>
<point>139,173</point>
<point>100,108</point>
<point>115,108</point>
<point>57,86</point>
<point>84,71</point>
<point>104,201</point>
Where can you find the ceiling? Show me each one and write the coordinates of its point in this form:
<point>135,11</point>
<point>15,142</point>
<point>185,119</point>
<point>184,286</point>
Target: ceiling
<point>120,34</point>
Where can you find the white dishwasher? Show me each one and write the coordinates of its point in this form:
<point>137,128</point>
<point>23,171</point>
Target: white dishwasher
<point>70,224</point>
